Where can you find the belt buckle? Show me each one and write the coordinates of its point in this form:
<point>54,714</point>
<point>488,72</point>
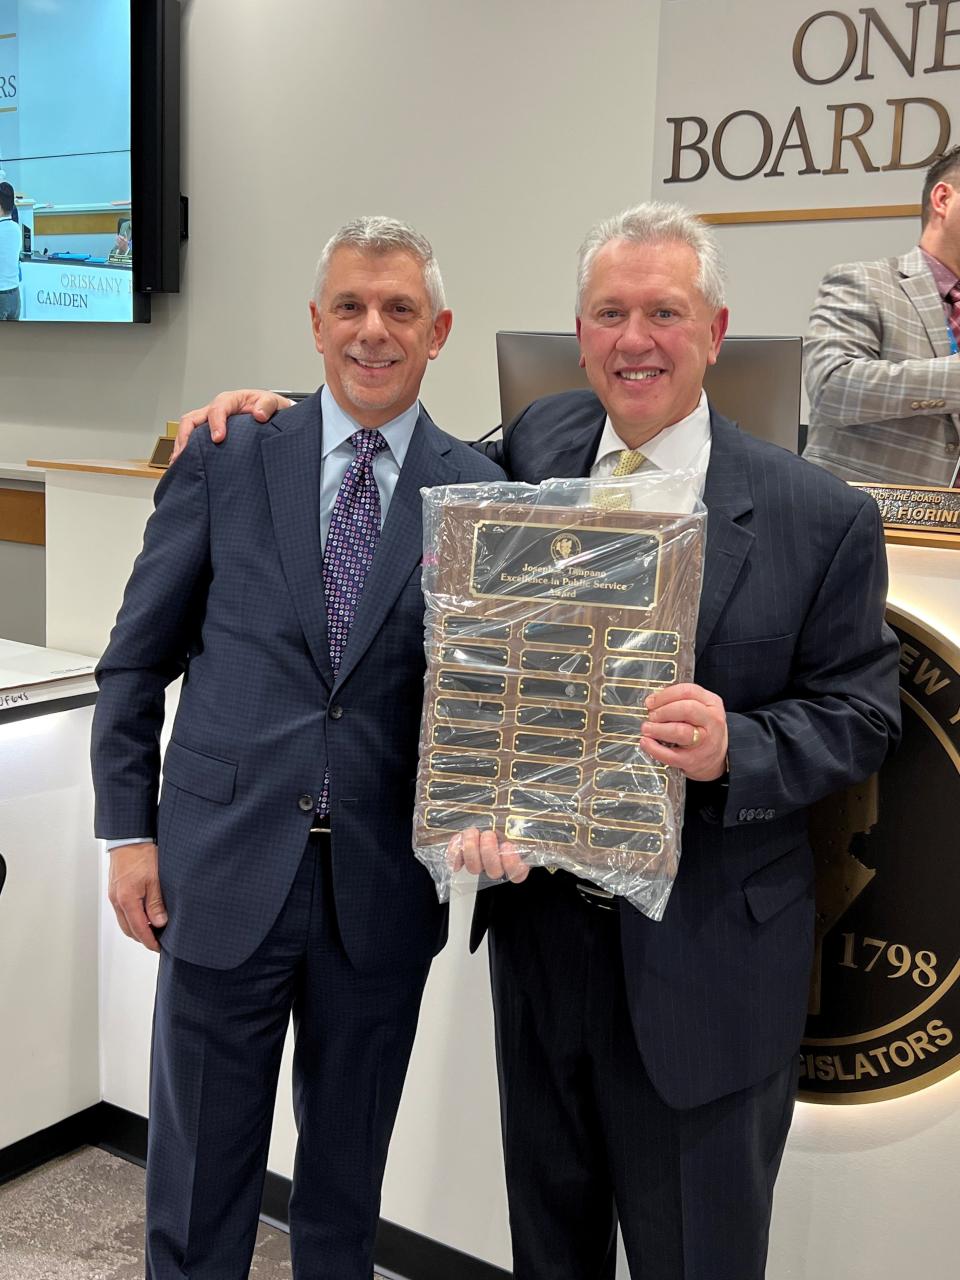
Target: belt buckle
<point>594,896</point>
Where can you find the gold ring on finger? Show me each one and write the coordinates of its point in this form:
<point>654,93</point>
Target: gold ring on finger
<point>696,736</point>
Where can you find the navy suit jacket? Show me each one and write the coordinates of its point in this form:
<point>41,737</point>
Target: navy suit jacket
<point>791,635</point>
<point>228,590</point>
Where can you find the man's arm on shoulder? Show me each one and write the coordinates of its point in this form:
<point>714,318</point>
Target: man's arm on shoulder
<point>498,451</point>
<point>253,400</point>
<point>843,712</point>
<point>160,617</point>
<point>848,378</point>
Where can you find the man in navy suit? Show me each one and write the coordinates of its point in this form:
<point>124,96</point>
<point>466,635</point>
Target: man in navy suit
<point>648,1070</point>
<point>280,575</point>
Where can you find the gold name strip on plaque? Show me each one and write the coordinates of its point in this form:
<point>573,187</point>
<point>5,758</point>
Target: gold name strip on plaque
<point>455,735</point>
<point>558,634</point>
<point>565,661</point>
<point>623,725</point>
<point>461,793</point>
<point>544,717</point>
<point>554,690</point>
<point>463,765</point>
<point>531,800</point>
<point>475,629</point>
<point>625,695</point>
<point>540,830</point>
<point>620,838</point>
<point>649,670</point>
<point>469,709</point>
<point>472,682</point>
<point>549,775</point>
<point>550,745</point>
<point>641,813</point>
<point>642,641</point>
<point>477,655</point>
<point>457,819</point>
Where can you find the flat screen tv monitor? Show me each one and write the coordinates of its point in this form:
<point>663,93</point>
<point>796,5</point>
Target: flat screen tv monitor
<point>756,381</point>
<point>89,154</point>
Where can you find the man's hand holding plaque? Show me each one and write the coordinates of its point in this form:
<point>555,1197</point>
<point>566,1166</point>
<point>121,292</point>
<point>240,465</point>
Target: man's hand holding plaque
<point>686,728</point>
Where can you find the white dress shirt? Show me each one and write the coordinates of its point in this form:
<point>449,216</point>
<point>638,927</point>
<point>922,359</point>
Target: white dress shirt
<point>682,449</point>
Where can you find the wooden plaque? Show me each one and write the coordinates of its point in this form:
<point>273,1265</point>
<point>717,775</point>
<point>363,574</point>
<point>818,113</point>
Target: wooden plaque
<point>547,627</point>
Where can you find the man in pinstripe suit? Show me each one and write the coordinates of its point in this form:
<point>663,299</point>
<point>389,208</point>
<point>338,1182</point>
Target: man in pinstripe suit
<point>277,874</point>
<point>881,363</point>
<point>647,1071</point>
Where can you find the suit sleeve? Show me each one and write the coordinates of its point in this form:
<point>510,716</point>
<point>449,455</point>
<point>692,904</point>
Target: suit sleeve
<point>847,379</point>
<point>842,714</point>
<point>158,624</point>
<point>499,451</point>
<point>492,449</point>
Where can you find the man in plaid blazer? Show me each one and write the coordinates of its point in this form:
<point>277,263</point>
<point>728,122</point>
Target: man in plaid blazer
<point>276,875</point>
<point>882,369</point>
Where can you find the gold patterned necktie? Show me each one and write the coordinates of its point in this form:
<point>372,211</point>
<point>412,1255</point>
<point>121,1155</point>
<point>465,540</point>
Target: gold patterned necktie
<point>629,461</point>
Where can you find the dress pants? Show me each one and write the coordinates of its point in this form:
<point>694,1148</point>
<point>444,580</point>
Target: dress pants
<point>587,1139</point>
<point>217,1043</point>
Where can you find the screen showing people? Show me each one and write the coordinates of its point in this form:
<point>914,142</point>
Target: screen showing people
<point>66,237</point>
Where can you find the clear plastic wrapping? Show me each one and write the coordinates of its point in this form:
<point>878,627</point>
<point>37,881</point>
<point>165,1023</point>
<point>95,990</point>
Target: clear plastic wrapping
<point>552,612</point>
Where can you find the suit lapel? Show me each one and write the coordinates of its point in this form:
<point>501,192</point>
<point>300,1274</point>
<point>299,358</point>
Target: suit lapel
<point>574,459</point>
<point>400,548</point>
<point>919,286</point>
<point>291,464</point>
<point>727,498</point>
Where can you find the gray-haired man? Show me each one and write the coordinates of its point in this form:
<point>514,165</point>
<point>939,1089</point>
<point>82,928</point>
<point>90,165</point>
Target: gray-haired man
<point>281,575</point>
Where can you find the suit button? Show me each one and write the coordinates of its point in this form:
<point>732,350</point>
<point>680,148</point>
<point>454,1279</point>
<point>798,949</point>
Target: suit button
<point>915,404</point>
<point>307,804</point>
<point>770,813</point>
<point>742,816</point>
<point>336,712</point>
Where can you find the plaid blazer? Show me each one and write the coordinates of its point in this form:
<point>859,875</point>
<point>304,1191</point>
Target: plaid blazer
<point>884,388</point>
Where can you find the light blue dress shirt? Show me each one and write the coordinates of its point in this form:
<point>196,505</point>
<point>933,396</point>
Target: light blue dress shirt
<point>337,453</point>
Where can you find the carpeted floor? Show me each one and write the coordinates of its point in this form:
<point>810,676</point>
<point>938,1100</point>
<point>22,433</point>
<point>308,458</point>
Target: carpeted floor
<point>81,1218</point>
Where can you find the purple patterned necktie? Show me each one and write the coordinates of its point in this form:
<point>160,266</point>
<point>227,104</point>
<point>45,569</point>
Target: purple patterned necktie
<point>351,541</point>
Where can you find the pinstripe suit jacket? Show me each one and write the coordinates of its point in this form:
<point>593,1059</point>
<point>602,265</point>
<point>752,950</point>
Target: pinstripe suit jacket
<point>791,635</point>
<point>884,389</point>
<point>228,590</point>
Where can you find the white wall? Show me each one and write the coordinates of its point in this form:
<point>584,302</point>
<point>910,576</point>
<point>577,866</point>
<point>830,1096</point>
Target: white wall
<point>501,130</point>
